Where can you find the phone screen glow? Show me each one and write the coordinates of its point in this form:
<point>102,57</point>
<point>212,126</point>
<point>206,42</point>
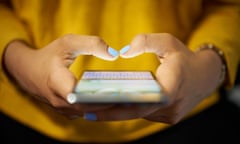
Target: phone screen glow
<point>118,86</point>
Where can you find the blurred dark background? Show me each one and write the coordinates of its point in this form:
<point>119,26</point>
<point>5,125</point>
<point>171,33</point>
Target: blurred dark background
<point>218,124</point>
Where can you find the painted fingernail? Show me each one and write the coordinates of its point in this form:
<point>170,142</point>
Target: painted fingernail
<point>124,49</point>
<point>90,116</point>
<point>112,52</point>
<point>71,98</point>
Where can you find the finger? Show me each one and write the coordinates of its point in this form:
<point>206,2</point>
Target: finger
<point>170,78</point>
<point>61,81</point>
<point>121,113</point>
<point>88,45</point>
<point>92,107</point>
<point>171,114</point>
<point>69,113</point>
<point>160,44</point>
<point>59,105</point>
<point>73,110</point>
<point>162,119</point>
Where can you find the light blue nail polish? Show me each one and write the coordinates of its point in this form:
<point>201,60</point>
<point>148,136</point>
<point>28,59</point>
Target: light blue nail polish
<point>112,52</point>
<point>125,49</point>
<point>90,116</point>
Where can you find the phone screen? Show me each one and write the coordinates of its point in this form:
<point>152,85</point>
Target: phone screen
<point>117,87</point>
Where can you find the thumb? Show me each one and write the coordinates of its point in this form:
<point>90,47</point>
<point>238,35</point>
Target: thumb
<point>62,82</point>
<point>88,45</point>
<point>160,44</point>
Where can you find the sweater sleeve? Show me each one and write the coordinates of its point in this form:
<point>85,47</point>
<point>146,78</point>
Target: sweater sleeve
<point>220,25</point>
<point>11,28</point>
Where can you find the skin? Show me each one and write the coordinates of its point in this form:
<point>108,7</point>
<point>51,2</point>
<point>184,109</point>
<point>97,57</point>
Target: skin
<point>44,73</point>
<point>186,77</point>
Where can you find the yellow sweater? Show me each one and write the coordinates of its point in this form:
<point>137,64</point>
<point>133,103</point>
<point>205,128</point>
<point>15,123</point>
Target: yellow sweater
<point>117,22</point>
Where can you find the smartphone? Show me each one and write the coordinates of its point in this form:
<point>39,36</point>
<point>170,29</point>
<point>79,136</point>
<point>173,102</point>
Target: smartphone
<point>117,87</point>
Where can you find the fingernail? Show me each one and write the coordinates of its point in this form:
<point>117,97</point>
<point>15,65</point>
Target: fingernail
<point>112,52</point>
<point>124,49</point>
<point>90,116</point>
<point>71,98</point>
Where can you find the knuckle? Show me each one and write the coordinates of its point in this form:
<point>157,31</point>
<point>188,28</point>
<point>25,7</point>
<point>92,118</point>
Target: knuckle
<point>141,38</point>
<point>167,35</point>
<point>67,37</point>
<point>172,41</point>
<point>169,38</point>
<point>173,119</point>
<point>57,105</point>
<point>97,41</point>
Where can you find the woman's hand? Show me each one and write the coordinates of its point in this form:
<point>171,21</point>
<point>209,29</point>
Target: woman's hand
<point>186,77</point>
<point>44,73</point>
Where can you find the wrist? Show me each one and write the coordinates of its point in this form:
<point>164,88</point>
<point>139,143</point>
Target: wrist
<point>15,55</point>
<point>219,56</point>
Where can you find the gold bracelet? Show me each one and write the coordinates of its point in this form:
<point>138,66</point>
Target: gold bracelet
<point>221,55</point>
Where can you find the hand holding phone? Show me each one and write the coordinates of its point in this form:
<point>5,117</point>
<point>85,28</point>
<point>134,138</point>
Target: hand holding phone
<point>117,87</point>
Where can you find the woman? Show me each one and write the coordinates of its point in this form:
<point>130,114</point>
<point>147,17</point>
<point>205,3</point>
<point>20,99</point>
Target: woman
<point>45,46</point>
